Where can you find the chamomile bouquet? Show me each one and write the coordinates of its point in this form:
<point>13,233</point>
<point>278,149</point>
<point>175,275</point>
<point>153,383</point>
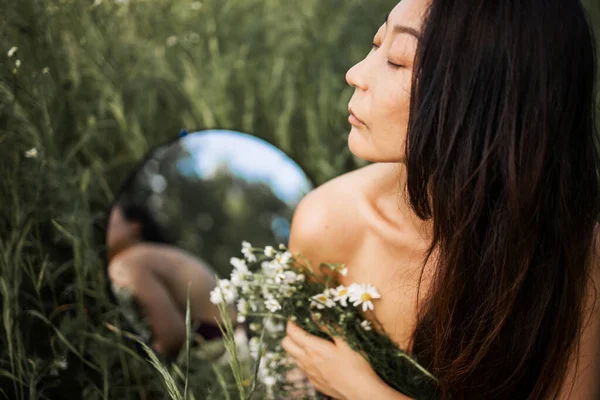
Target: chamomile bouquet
<point>270,286</point>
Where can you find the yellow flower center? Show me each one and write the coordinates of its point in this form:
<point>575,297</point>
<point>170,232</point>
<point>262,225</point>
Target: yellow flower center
<point>365,297</point>
<point>322,298</point>
<point>343,292</point>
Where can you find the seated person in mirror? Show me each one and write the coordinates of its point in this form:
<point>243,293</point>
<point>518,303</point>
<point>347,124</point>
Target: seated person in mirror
<point>144,265</point>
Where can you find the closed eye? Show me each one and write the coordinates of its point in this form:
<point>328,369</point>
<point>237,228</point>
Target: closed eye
<point>395,66</point>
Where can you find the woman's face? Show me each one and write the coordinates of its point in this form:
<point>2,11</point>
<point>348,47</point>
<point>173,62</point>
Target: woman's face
<point>382,83</point>
<point>121,233</point>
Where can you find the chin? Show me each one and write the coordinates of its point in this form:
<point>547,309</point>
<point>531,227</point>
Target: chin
<point>365,151</point>
<point>359,147</point>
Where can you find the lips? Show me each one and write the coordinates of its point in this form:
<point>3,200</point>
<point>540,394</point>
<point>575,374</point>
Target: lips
<point>353,116</point>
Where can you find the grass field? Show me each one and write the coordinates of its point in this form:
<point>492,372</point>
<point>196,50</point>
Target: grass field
<point>92,86</point>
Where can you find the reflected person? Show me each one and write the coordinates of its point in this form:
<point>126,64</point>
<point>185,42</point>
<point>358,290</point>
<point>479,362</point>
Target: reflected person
<point>144,264</point>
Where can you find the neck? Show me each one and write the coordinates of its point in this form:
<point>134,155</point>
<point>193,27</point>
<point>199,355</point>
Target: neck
<point>392,199</point>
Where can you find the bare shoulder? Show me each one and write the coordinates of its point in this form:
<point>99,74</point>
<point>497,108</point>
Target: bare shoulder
<point>584,371</point>
<point>326,226</point>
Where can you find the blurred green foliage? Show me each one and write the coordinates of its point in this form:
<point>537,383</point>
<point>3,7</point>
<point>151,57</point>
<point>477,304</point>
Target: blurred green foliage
<point>97,84</point>
<point>92,86</point>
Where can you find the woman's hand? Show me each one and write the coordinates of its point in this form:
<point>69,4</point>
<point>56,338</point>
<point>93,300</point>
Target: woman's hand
<point>333,369</point>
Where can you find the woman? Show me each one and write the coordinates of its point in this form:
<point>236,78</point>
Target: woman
<point>144,265</point>
<point>477,220</point>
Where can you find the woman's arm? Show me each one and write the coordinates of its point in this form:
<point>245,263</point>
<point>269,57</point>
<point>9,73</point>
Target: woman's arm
<point>374,388</point>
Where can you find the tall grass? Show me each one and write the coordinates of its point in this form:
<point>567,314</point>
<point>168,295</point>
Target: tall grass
<point>97,84</point>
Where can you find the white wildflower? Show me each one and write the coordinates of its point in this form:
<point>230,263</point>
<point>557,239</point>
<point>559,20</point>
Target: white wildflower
<point>322,300</point>
<point>242,306</point>
<point>285,277</point>
<point>61,363</point>
<point>223,292</point>
<point>366,325</point>
<point>340,294</point>
<point>272,305</point>
<point>254,346</point>
<point>31,153</point>
<point>216,296</point>
<point>238,278</point>
<point>18,63</point>
<point>45,70</point>
<point>171,41</point>
<point>269,380</point>
<point>240,273</point>
<point>364,294</point>
<point>239,264</point>
<point>343,271</point>
<point>300,278</point>
<point>12,51</point>
<point>283,258</point>
<point>269,251</point>
<point>266,265</point>
<point>287,290</point>
<point>272,327</point>
<point>247,251</point>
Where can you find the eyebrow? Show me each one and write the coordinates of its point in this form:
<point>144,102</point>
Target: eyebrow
<point>403,29</point>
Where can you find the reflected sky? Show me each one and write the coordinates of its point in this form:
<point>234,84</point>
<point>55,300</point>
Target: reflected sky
<point>247,157</point>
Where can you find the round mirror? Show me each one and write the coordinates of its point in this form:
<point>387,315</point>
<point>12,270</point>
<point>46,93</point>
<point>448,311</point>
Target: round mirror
<point>180,217</point>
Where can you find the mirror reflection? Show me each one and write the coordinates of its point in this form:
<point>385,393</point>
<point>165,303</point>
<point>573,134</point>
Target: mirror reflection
<point>180,217</point>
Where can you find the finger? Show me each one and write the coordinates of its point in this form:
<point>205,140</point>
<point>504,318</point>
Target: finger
<point>292,348</point>
<point>337,338</point>
<point>305,340</point>
<point>319,323</point>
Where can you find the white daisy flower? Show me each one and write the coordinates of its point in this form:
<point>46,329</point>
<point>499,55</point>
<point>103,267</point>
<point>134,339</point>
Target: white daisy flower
<point>340,294</point>
<point>12,51</point>
<point>272,305</point>
<point>343,271</point>
<point>31,153</point>
<point>322,300</point>
<point>366,325</point>
<point>269,251</point>
<point>364,294</point>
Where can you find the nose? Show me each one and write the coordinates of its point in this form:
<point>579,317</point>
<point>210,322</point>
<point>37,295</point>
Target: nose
<point>356,77</point>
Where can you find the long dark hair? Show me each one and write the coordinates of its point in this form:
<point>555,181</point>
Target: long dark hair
<point>501,153</point>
